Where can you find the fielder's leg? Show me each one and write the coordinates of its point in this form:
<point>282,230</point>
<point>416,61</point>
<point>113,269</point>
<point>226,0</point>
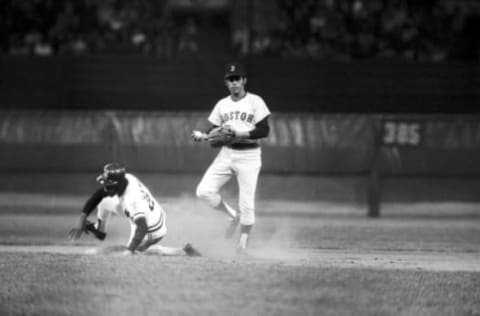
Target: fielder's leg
<point>248,170</point>
<point>244,236</point>
<point>232,226</point>
<point>214,178</point>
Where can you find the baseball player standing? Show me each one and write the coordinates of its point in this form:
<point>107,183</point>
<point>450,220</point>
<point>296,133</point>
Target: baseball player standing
<point>124,194</point>
<point>245,116</point>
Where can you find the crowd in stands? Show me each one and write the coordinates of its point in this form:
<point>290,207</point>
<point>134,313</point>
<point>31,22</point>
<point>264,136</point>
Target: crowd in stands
<point>424,30</point>
<point>420,30</point>
<point>48,27</point>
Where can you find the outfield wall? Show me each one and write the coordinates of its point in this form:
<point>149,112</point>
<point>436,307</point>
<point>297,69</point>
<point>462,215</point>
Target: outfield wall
<point>323,144</point>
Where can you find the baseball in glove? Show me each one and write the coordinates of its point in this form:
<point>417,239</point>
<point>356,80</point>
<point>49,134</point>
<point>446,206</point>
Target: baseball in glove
<point>220,136</point>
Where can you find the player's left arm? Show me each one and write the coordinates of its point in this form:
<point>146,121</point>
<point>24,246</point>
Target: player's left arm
<point>261,130</point>
<point>92,202</point>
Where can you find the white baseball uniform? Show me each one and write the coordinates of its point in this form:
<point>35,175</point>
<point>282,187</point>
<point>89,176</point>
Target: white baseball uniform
<point>242,158</point>
<point>135,202</point>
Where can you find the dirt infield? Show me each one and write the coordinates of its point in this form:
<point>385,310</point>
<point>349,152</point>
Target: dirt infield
<point>326,258</point>
<point>438,237</point>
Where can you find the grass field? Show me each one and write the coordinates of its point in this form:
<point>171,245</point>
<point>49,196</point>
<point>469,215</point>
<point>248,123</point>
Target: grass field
<point>307,259</point>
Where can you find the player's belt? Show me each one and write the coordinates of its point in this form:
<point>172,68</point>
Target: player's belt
<point>242,146</point>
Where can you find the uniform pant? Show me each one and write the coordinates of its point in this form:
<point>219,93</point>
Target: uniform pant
<point>245,165</point>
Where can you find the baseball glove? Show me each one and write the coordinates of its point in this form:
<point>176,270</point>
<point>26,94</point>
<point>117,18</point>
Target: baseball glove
<point>90,227</point>
<point>220,136</point>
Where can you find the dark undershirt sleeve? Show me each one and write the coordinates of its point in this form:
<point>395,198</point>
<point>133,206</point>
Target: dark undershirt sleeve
<point>94,200</point>
<point>261,129</point>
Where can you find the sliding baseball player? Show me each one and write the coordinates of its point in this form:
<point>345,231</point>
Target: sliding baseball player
<point>124,194</point>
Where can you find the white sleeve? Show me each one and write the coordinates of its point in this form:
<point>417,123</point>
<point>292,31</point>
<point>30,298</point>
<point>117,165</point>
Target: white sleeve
<point>215,118</point>
<point>134,209</point>
<point>261,109</point>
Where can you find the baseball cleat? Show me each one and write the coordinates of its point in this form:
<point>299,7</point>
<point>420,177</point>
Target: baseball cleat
<point>191,252</point>
<point>90,227</point>
<point>232,227</point>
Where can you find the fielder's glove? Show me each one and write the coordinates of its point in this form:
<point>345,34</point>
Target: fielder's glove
<point>90,227</point>
<point>220,136</point>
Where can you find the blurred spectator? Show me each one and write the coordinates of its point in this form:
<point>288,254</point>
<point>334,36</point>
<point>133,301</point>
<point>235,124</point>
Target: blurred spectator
<point>187,42</point>
<point>261,43</point>
<point>241,40</point>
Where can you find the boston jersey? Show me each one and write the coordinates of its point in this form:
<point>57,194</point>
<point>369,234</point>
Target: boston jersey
<point>137,201</point>
<point>241,115</point>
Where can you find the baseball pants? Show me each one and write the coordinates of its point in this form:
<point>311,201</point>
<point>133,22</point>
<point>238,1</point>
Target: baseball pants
<point>245,165</point>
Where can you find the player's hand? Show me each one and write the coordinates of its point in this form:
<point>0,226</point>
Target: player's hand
<point>229,130</point>
<point>75,233</point>
<point>198,136</point>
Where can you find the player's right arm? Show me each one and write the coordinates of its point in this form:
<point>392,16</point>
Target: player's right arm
<point>199,135</point>
<point>90,205</point>
<point>215,121</point>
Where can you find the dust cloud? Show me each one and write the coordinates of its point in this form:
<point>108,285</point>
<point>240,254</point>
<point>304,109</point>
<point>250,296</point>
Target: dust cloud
<point>192,220</point>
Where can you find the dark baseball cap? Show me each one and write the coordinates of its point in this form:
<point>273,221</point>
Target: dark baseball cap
<point>234,69</point>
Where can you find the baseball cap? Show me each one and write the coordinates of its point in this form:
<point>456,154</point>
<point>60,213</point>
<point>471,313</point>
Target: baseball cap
<point>234,69</point>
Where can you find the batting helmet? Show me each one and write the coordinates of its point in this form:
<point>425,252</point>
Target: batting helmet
<point>113,174</point>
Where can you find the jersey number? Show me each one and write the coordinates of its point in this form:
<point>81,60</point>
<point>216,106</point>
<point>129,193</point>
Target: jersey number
<point>148,199</point>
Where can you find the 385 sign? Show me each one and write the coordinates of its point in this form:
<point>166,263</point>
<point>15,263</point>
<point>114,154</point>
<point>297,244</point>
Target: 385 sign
<point>403,133</point>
